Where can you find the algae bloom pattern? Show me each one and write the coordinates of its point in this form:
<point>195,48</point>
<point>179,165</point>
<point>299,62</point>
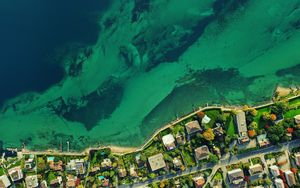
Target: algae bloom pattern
<point>155,61</point>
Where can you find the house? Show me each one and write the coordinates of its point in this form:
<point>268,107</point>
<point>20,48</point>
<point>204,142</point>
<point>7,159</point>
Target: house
<point>76,165</point>
<point>133,172</point>
<point>262,140</point>
<point>297,119</point>
<point>192,127</point>
<point>279,183</point>
<point>15,173</point>
<point>218,131</point>
<point>236,176</point>
<point>44,184</point>
<point>255,169</point>
<point>180,139</point>
<point>202,153</point>
<point>106,163</point>
<point>297,158</point>
<point>71,181</point>
<point>56,166</point>
<point>122,172</point>
<point>290,178</point>
<point>32,181</point>
<point>169,141</point>
<point>29,162</point>
<point>274,170</point>
<point>240,120</point>
<point>156,162</point>
<point>205,120</point>
<point>199,181</point>
<point>4,181</point>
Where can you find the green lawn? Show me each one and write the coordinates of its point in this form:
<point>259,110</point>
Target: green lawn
<point>292,113</point>
<point>188,158</point>
<point>295,102</point>
<point>212,114</point>
<point>218,176</point>
<point>231,126</point>
<point>1,171</point>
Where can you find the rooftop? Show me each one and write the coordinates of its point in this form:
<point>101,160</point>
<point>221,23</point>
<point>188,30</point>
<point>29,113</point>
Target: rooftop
<point>192,127</point>
<point>157,162</point>
<point>202,152</point>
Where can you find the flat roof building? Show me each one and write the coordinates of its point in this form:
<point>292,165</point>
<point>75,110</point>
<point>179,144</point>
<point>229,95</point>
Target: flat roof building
<point>157,162</point>
<point>279,183</point>
<point>31,181</point>
<point>4,181</point>
<point>290,178</point>
<point>240,120</point>
<point>169,141</point>
<point>274,170</point>
<point>236,176</point>
<point>255,169</point>
<point>15,173</point>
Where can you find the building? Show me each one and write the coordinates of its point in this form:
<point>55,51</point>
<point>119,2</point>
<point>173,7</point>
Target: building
<point>201,153</point>
<point>236,176</point>
<point>133,172</point>
<point>262,140</point>
<point>4,181</point>
<point>71,181</point>
<point>255,169</point>
<point>32,181</point>
<point>56,166</point>
<point>290,178</point>
<point>297,158</point>
<point>29,163</point>
<point>180,139</point>
<point>274,170</point>
<point>76,165</point>
<point>199,181</point>
<point>44,184</point>
<point>240,120</point>
<point>192,127</point>
<point>297,119</point>
<point>15,173</point>
<point>122,172</point>
<point>169,141</point>
<point>279,183</point>
<point>156,162</point>
<point>106,163</point>
<point>205,120</point>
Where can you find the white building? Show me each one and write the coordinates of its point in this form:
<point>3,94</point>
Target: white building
<point>274,170</point>
<point>290,178</point>
<point>15,173</point>
<point>279,183</point>
<point>4,181</point>
<point>31,181</point>
<point>169,141</point>
<point>297,119</point>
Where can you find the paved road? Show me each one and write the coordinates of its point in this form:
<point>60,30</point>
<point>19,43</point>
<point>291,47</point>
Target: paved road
<point>274,148</point>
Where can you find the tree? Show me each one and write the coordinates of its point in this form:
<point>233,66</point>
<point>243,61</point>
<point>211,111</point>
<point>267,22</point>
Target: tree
<point>273,138</point>
<point>290,130</point>
<point>277,129</point>
<point>294,170</point>
<point>201,114</point>
<point>253,112</point>
<point>265,116</point>
<point>213,158</point>
<point>251,133</point>
<point>253,125</point>
<point>209,135</point>
<point>273,117</point>
<point>221,118</point>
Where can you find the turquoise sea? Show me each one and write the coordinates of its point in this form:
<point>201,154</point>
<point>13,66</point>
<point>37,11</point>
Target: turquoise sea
<point>112,73</point>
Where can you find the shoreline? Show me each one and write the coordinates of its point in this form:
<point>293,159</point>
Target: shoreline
<point>119,150</point>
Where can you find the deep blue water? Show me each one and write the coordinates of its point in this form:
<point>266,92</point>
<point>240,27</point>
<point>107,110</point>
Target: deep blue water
<point>31,30</point>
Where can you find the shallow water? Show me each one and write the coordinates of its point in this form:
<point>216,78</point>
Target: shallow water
<point>155,62</point>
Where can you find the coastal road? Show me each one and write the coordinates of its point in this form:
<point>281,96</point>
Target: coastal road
<point>223,163</point>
